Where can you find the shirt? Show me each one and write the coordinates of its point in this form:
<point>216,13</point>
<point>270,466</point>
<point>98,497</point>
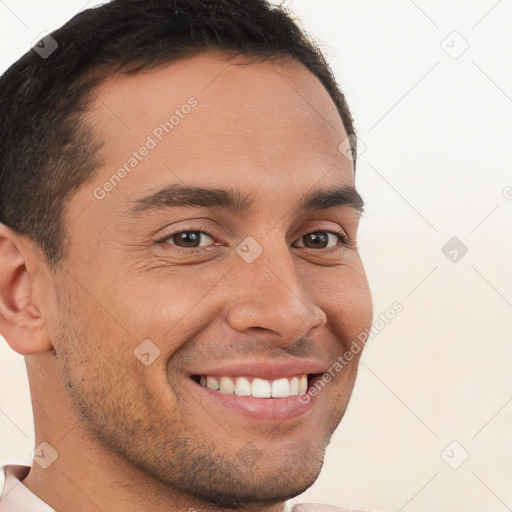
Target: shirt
<point>18,498</point>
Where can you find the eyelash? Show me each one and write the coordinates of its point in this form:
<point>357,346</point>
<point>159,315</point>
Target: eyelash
<point>345,241</point>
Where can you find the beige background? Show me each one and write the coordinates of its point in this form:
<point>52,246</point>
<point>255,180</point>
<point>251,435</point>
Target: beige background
<point>437,165</point>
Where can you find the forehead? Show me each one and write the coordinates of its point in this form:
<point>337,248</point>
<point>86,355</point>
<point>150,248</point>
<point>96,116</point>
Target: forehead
<point>218,119</point>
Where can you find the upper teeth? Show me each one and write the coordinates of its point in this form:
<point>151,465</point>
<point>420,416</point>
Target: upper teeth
<point>258,388</point>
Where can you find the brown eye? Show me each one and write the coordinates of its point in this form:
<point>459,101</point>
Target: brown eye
<point>316,240</point>
<point>188,238</point>
<point>321,240</point>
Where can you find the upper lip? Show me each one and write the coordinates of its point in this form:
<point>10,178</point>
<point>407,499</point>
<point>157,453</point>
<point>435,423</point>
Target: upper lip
<point>266,370</point>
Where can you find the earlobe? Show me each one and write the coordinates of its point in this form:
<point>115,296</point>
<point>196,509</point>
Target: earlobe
<point>22,323</point>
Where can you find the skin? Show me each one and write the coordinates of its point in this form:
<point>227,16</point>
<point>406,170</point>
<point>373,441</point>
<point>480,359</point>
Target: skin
<point>132,437</point>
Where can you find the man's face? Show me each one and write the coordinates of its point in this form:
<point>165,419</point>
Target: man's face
<point>285,302</point>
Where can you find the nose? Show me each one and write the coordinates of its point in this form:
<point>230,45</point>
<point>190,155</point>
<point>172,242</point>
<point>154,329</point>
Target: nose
<point>273,297</point>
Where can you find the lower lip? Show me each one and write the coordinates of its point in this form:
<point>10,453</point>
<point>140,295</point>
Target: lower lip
<point>260,409</point>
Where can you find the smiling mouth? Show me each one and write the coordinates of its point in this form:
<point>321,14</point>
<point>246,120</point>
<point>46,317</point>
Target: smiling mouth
<point>256,387</point>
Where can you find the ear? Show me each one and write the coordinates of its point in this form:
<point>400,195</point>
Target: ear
<point>22,322</point>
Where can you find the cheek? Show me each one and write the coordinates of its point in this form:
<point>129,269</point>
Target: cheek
<point>92,334</point>
<point>102,375</point>
<point>345,297</point>
<point>157,302</point>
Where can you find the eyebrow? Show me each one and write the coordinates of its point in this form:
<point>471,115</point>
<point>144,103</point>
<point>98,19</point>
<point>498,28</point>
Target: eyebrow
<point>233,199</point>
